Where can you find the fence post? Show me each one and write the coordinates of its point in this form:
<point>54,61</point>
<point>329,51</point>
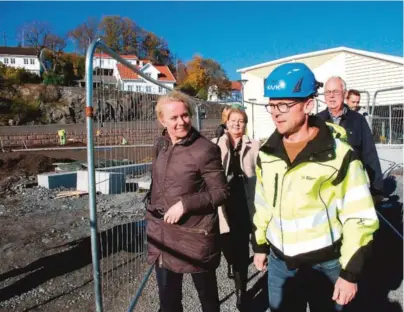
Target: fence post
<point>390,125</point>
<point>91,176</point>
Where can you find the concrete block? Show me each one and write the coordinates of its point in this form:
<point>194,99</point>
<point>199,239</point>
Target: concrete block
<point>105,182</point>
<point>52,180</point>
<point>134,169</point>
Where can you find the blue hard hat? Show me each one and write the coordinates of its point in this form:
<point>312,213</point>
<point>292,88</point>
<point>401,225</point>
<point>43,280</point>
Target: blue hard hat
<point>291,80</point>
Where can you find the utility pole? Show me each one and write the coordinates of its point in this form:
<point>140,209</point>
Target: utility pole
<point>4,39</point>
<point>22,38</point>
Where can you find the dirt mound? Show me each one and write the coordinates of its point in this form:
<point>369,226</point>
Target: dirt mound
<point>15,167</point>
<point>26,164</point>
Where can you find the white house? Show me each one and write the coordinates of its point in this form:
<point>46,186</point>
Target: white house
<point>20,57</point>
<point>127,79</point>
<point>234,95</point>
<point>368,72</point>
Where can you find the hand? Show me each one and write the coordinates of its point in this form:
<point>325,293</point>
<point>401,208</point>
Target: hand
<point>377,199</point>
<point>174,213</point>
<point>260,261</point>
<point>344,291</point>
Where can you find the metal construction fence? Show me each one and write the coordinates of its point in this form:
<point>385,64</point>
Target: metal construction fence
<point>386,119</point>
<point>121,129</point>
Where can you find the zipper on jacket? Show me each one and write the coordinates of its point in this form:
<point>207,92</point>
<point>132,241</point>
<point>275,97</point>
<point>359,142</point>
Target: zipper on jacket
<point>280,209</point>
<point>276,190</point>
<point>199,231</point>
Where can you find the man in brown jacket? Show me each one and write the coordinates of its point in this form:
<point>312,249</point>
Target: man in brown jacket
<point>188,186</point>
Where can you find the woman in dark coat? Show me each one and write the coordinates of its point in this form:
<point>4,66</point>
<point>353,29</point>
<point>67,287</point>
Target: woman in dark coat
<point>188,184</point>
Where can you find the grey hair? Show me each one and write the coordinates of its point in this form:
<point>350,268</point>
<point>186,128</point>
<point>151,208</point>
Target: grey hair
<point>342,81</point>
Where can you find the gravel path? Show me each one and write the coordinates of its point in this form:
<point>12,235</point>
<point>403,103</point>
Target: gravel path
<point>44,247</point>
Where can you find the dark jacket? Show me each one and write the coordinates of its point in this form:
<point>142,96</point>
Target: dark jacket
<point>190,171</point>
<point>361,139</point>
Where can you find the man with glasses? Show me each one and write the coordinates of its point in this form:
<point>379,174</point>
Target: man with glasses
<point>358,131</point>
<point>314,214</point>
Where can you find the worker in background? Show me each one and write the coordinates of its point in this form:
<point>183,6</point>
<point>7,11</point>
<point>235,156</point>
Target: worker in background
<point>62,136</point>
<point>353,99</point>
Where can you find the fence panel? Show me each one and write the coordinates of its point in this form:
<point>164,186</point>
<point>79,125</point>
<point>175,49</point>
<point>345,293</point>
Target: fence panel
<point>121,130</point>
<point>386,118</point>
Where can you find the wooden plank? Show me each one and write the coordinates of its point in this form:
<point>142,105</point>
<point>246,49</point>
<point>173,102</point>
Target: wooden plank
<point>64,194</point>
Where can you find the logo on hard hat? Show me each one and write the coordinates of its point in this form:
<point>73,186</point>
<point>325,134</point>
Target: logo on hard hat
<point>279,86</point>
<point>298,86</point>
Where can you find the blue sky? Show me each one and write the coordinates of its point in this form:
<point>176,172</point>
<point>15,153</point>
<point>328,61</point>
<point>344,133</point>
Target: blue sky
<point>236,34</point>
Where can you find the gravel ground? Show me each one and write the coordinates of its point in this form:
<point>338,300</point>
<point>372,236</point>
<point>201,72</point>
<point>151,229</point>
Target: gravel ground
<point>46,261</point>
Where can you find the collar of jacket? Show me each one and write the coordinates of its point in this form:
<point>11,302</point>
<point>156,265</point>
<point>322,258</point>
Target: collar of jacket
<point>347,114</point>
<point>191,137</point>
<point>225,137</point>
<point>318,150</point>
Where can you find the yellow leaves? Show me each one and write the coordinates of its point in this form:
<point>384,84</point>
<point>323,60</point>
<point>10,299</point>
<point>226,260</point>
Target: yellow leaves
<point>196,74</point>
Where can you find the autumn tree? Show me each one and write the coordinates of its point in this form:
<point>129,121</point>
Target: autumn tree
<point>200,74</point>
<point>38,35</point>
<point>34,34</point>
<point>56,45</point>
<point>180,72</point>
<point>84,34</point>
<point>216,76</point>
<point>130,36</point>
<point>111,30</point>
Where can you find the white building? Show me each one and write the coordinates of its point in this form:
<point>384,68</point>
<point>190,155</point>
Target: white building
<point>128,80</point>
<point>365,71</point>
<point>20,57</point>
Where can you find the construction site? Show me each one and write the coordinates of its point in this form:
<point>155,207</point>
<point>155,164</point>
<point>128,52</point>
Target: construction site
<point>49,222</point>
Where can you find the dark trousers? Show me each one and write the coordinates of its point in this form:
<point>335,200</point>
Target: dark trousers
<point>236,250</point>
<point>170,290</point>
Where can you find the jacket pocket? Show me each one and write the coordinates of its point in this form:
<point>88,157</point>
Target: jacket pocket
<point>193,246</point>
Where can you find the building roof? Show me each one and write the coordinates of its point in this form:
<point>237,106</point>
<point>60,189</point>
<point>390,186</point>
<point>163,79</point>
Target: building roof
<point>107,56</point>
<point>236,86</point>
<point>380,56</point>
<point>165,73</point>
<point>128,74</point>
<point>17,51</point>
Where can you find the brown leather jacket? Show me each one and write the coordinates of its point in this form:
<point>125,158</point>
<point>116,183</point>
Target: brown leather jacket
<point>190,171</point>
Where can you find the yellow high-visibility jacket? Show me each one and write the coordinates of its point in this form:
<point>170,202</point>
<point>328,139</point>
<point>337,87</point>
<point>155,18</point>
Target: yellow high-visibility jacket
<point>317,208</point>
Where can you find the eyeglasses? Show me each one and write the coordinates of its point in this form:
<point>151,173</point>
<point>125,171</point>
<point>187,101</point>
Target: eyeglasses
<point>334,92</point>
<point>282,107</point>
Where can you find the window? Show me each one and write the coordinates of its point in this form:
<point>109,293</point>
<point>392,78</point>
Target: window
<point>148,89</point>
<point>148,74</point>
<point>5,60</point>
<point>138,88</point>
<point>130,88</point>
<point>32,61</point>
<point>102,62</point>
<point>25,61</point>
<point>160,90</point>
<point>12,60</point>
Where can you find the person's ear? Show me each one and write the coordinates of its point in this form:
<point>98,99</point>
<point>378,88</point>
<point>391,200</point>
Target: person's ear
<point>161,120</point>
<point>308,106</point>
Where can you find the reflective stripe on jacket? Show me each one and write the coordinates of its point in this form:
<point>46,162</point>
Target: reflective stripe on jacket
<point>317,208</point>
